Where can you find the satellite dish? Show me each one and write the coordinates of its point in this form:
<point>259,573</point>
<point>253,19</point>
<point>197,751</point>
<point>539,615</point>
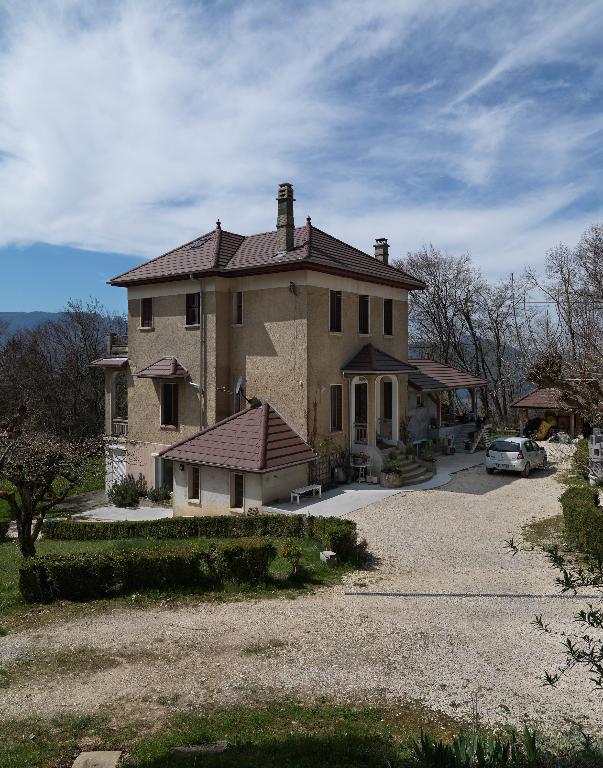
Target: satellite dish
<point>239,385</point>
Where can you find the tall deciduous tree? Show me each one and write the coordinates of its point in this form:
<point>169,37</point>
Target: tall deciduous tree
<point>467,322</point>
<point>48,368</point>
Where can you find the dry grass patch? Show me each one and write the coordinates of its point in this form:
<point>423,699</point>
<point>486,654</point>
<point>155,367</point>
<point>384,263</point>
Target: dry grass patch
<point>65,664</point>
<point>544,533</point>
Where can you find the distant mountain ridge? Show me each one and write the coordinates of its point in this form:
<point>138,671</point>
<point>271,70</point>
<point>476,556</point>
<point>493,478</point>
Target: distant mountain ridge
<point>24,321</point>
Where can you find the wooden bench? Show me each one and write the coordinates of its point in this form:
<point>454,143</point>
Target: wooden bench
<point>297,492</point>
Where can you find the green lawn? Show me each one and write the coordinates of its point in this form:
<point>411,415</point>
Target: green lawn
<point>14,612</point>
<point>277,735</point>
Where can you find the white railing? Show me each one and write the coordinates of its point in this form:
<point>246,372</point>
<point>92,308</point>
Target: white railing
<point>360,432</point>
<point>119,428</point>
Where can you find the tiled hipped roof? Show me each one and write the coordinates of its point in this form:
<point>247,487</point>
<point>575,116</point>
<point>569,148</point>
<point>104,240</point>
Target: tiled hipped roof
<point>228,254</point>
<point>255,440</point>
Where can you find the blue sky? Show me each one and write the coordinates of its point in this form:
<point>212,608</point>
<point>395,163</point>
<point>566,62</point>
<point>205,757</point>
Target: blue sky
<point>128,127</point>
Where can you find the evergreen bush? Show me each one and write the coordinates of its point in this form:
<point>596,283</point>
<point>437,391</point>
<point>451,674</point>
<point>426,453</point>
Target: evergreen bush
<point>583,519</point>
<point>126,492</point>
<point>92,575</point>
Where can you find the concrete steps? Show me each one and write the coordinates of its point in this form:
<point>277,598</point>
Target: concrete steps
<point>412,472</point>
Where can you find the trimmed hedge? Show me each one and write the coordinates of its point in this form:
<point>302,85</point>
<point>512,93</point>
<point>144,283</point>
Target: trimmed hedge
<point>333,533</point>
<point>583,519</point>
<point>92,575</point>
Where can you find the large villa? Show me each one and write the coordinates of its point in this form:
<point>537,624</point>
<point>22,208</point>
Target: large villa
<point>246,353</point>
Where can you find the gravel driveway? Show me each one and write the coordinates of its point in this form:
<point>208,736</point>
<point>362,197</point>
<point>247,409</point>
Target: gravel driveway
<point>439,649</point>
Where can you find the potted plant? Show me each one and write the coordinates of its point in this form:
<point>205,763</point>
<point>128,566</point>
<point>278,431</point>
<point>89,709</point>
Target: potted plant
<point>391,472</point>
<point>428,458</point>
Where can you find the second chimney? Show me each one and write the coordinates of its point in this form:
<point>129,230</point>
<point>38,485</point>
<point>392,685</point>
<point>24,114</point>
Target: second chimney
<point>285,227</point>
<point>382,249</point>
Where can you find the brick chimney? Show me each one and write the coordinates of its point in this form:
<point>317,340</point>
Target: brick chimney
<point>382,249</point>
<point>284,220</point>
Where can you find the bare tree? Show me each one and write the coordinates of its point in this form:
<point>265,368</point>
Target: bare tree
<point>48,369</point>
<point>565,339</point>
<point>466,322</point>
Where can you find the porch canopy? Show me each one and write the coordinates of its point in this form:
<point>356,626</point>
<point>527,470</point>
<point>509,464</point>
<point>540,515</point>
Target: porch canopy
<point>372,360</point>
<point>164,368</point>
<point>436,378</point>
<point>111,362</point>
<point>429,376</point>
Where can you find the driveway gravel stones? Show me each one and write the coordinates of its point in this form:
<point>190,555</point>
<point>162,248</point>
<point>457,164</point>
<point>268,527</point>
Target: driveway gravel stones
<point>426,645</point>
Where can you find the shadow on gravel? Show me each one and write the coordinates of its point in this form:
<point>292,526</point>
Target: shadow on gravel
<point>476,481</point>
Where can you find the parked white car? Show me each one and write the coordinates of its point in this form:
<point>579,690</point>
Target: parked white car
<point>515,454</point>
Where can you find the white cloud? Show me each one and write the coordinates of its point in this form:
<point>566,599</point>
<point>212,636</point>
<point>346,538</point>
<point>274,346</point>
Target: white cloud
<point>131,126</point>
<point>413,89</point>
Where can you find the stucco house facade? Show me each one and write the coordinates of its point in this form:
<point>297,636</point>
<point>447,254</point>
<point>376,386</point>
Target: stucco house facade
<point>294,317</point>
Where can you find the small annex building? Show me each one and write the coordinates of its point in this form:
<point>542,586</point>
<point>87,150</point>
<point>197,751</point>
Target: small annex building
<point>244,461</point>
<point>547,409</point>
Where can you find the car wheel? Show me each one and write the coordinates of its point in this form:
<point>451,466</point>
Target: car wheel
<point>490,470</point>
<point>526,471</point>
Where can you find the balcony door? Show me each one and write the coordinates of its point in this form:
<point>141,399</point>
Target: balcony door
<point>361,412</point>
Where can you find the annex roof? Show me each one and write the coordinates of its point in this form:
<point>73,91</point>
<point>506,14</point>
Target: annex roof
<point>546,397</point>
<point>227,254</point>
<point>165,367</point>
<point>257,439</point>
<point>369,359</point>
<point>430,376</point>
<point>111,362</point>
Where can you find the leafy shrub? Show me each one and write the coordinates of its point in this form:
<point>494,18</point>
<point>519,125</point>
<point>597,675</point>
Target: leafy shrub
<point>583,519</point>
<point>393,465</point>
<point>141,486</point>
<point>245,560</point>
<point>338,535</point>
<point>333,533</point>
<point>125,492</point>
<point>580,458</point>
<point>92,575</point>
<point>160,494</point>
<point>292,553</point>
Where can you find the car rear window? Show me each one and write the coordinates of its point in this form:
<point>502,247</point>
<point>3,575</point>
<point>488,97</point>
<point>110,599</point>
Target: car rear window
<point>505,446</point>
